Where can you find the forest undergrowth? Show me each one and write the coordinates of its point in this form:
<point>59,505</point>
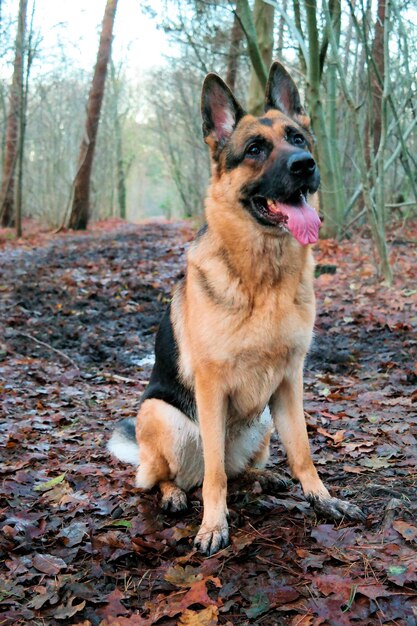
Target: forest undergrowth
<point>80,545</point>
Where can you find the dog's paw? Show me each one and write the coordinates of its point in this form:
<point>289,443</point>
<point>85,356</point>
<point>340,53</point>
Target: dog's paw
<point>210,540</point>
<point>272,482</point>
<point>175,501</point>
<point>336,509</point>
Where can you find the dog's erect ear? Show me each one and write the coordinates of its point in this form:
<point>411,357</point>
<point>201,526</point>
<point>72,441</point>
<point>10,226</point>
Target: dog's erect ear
<point>281,92</point>
<point>220,111</point>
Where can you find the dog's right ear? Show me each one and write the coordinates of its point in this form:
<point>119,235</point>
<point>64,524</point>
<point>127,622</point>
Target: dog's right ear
<point>220,111</point>
<point>281,92</point>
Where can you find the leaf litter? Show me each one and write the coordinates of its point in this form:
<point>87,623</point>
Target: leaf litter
<point>80,545</point>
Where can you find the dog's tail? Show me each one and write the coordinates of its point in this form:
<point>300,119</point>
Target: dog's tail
<point>122,444</point>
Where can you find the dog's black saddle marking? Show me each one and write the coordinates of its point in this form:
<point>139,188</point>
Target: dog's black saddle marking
<point>165,382</point>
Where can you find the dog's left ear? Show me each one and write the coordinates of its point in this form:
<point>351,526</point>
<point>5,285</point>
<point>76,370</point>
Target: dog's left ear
<point>281,92</point>
<point>220,111</point>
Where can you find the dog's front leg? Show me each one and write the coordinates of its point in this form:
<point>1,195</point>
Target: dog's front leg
<point>211,405</point>
<point>287,411</point>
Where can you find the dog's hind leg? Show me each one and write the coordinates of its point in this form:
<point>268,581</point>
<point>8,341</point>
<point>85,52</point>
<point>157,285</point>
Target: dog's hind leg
<point>173,498</point>
<point>261,456</point>
<point>270,481</point>
<point>287,411</point>
<point>170,451</point>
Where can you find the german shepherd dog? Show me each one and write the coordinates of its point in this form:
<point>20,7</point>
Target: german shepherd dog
<point>234,338</point>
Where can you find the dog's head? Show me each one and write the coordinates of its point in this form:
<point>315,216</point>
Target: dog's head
<point>264,165</point>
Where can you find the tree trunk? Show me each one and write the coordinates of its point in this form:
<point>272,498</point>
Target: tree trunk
<point>332,105</point>
<point>80,211</point>
<point>236,37</point>
<point>22,126</point>
<point>281,24</point>
<point>12,129</point>
<point>121,174</point>
<point>263,17</point>
<point>376,217</point>
<point>297,19</point>
<point>245,17</point>
<point>118,134</point>
<point>373,119</point>
<point>331,192</point>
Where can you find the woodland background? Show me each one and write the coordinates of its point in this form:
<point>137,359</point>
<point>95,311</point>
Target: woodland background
<point>355,61</point>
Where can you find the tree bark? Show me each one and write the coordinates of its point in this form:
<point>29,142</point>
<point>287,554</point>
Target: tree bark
<point>12,130</point>
<point>332,198</point>
<point>297,19</point>
<point>376,215</point>
<point>373,119</point>
<point>236,37</point>
<point>263,17</point>
<point>80,212</point>
<point>245,17</point>
<point>281,24</point>
<point>118,135</point>
<point>22,124</point>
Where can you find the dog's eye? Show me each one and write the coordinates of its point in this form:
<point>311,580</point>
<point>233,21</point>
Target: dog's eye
<point>254,150</point>
<point>298,140</point>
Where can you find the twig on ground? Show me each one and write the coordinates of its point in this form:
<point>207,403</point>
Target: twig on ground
<point>46,345</point>
<point>118,378</point>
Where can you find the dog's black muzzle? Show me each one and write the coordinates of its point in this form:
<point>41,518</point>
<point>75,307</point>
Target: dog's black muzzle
<point>290,175</point>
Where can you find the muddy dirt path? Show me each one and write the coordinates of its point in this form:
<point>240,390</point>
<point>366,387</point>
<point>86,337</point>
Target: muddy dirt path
<point>80,545</point>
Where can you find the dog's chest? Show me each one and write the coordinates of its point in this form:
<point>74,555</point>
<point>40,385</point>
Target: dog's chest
<point>276,326</point>
<point>269,348</point>
<point>253,383</point>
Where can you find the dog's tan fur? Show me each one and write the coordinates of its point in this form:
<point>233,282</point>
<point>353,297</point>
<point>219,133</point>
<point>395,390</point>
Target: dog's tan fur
<point>243,321</point>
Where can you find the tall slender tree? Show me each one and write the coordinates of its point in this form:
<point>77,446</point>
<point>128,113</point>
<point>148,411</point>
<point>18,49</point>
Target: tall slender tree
<point>374,116</point>
<point>80,211</point>
<point>236,36</point>
<point>13,119</point>
<point>246,19</point>
<point>118,136</point>
<point>263,17</point>
<point>30,47</point>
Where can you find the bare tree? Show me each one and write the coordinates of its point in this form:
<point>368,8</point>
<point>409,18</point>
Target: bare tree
<point>373,120</point>
<point>331,193</point>
<point>263,17</point>
<point>23,102</point>
<point>12,130</point>
<point>375,207</point>
<point>246,18</point>
<point>236,36</point>
<point>80,211</point>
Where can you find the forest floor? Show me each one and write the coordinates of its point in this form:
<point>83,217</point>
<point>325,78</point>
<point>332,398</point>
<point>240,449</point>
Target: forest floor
<point>80,545</point>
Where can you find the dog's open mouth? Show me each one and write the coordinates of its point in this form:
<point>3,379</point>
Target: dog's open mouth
<point>294,213</point>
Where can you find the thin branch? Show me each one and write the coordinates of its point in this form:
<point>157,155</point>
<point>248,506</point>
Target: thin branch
<point>46,345</point>
<point>295,32</point>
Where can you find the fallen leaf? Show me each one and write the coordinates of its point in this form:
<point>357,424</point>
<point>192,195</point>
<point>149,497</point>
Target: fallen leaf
<point>50,483</point>
<point>408,531</point>
<point>48,564</point>
<point>259,605</point>
<point>375,462</point>
<point>340,586</point>
<point>73,534</point>
<point>183,576</point>
<point>114,607</point>
<point>207,617</point>
<point>328,536</point>
<point>69,609</point>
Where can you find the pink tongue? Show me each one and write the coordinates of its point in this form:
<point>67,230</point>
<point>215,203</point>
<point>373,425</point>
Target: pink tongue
<point>303,221</point>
